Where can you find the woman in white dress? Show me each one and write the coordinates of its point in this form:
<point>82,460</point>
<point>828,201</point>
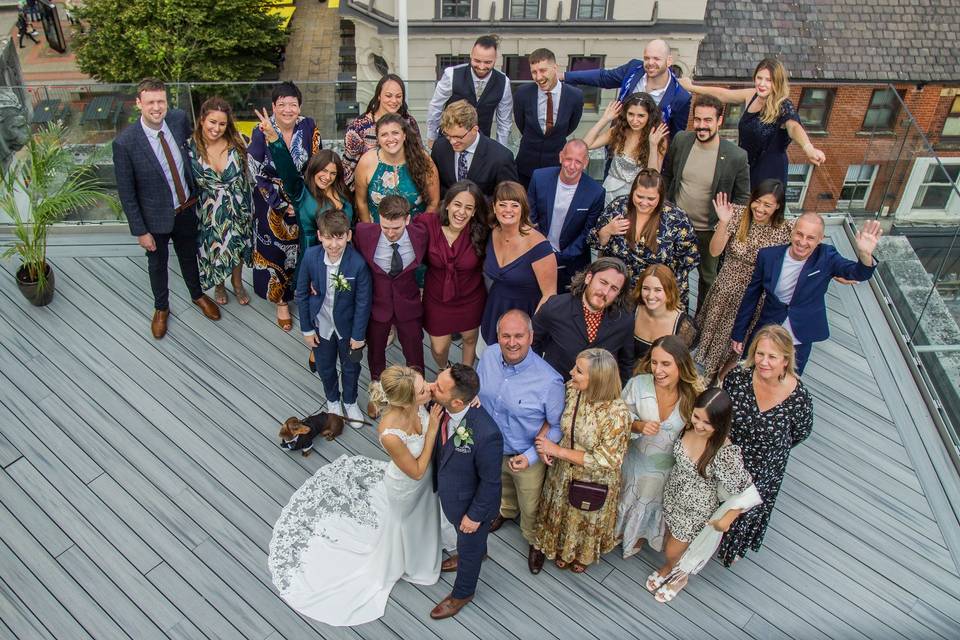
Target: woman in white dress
<point>636,139</point>
<point>359,525</point>
<point>660,398</point>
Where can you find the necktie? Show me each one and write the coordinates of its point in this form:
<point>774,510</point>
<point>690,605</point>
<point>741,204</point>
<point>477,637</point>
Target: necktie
<point>177,183</point>
<point>549,123</point>
<point>444,423</point>
<point>396,262</point>
<point>462,165</point>
<point>478,87</point>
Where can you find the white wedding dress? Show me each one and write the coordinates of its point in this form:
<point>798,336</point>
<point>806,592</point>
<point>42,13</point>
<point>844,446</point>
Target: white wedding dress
<point>351,531</point>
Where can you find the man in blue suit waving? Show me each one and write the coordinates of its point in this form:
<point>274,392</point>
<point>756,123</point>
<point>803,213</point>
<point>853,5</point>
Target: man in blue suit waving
<point>795,278</point>
<point>466,475</point>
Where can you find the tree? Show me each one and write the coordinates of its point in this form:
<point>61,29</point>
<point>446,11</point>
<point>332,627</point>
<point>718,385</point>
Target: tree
<point>178,40</point>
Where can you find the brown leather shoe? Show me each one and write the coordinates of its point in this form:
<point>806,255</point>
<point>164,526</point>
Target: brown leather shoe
<point>535,559</point>
<point>449,607</point>
<point>497,523</point>
<point>208,306</point>
<point>159,324</point>
<point>450,564</point>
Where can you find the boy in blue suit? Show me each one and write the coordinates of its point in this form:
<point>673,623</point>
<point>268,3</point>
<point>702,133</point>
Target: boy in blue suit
<point>334,294</point>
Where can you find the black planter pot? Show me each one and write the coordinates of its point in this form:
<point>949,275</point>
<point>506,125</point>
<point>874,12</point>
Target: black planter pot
<point>31,289</point>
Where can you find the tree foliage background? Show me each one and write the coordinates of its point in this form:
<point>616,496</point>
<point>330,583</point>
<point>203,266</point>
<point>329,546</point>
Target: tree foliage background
<point>178,40</point>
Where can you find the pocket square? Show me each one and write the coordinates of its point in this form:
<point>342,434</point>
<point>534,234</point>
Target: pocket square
<point>462,449</point>
<point>813,273</point>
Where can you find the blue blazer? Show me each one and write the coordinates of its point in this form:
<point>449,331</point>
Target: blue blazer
<point>674,105</point>
<point>351,308</point>
<point>467,478</point>
<point>141,185</point>
<point>807,310</point>
<point>537,149</point>
<point>585,209</point>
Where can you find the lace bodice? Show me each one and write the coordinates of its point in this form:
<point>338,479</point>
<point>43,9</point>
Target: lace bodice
<point>414,442</point>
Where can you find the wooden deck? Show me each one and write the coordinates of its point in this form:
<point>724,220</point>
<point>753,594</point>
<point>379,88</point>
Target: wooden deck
<point>141,480</point>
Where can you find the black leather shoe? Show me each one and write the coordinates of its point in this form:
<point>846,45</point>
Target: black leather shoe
<point>535,560</point>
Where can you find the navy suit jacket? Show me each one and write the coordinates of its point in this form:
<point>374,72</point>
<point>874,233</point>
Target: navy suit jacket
<point>807,310</point>
<point>141,185</point>
<point>674,105</point>
<point>351,308</point>
<point>585,209</point>
<point>537,149</point>
<point>467,478</point>
<point>492,164</point>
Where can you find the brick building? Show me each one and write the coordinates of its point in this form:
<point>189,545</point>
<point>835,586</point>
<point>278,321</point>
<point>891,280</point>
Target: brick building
<point>842,57</point>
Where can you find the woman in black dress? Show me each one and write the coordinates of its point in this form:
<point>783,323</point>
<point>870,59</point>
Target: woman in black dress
<point>772,413</point>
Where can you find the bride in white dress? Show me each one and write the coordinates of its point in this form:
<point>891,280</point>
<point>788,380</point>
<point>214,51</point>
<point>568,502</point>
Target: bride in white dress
<point>359,525</point>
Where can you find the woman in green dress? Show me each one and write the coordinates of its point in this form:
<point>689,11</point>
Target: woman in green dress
<point>218,160</point>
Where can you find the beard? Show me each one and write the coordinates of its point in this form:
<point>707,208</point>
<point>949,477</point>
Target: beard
<point>711,136</point>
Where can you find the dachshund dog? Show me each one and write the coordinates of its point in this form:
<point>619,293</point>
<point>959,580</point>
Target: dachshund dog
<point>298,435</point>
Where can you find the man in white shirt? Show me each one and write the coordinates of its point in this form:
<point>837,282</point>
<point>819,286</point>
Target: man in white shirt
<point>487,89</point>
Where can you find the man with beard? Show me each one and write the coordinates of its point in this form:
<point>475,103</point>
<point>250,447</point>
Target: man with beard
<point>651,75</point>
<point>593,315</point>
<point>698,166</point>
<point>487,89</point>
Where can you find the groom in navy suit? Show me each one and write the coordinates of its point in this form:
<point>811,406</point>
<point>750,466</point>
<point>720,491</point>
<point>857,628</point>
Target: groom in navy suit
<point>795,278</point>
<point>466,475</point>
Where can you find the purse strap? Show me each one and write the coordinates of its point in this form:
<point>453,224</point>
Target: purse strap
<point>573,422</point>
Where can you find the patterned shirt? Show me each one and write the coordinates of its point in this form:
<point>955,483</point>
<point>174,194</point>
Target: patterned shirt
<point>593,320</point>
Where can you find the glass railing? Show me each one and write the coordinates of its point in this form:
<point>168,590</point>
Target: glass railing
<point>900,180</point>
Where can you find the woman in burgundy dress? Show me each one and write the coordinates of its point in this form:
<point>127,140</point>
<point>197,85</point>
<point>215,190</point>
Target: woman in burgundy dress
<point>453,293</point>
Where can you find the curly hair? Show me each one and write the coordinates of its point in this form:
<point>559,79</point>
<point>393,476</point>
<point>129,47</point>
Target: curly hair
<point>479,223</point>
<point>418,162</point>
<point>319,161</point>
<point>578,284</point>
<point>620,128</point>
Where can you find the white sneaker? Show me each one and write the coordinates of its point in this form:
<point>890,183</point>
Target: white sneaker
<point>354,415</point>
<point>336,408</point>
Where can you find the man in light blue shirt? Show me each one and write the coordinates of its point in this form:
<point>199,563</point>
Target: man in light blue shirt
<point>524,395</point>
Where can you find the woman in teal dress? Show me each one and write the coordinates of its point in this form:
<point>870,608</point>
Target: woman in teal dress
<point>218,160</point>
<point>398,166</point>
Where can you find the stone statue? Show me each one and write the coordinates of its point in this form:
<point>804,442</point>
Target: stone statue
<point>14,128</point>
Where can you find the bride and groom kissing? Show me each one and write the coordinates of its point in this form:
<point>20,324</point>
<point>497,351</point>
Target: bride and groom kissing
<point>359,525</point>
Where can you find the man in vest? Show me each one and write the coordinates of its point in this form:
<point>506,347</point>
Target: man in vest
<point>487,89</point>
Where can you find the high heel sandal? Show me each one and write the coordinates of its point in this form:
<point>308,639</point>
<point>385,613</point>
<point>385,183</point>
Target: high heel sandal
<point>284,323</point>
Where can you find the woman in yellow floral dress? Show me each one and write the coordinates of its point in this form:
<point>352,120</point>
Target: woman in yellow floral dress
<point>564,533</point>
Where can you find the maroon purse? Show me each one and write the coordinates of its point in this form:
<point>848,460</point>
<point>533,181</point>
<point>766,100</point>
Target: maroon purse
<point>586,496</point>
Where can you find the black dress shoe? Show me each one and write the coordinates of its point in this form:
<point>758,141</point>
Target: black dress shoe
<point>312,364</point>
<point>535,560</point>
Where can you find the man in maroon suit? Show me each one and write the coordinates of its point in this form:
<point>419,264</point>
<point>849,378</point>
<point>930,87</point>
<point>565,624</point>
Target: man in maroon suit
<point>393,250</point>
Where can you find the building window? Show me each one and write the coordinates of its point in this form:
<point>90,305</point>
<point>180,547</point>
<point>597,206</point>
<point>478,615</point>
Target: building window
<point>591,95</point>
<point>450,61</point>
<point>815,107</point>
<point>731,116</point>
<point>882,112</point>
<point>798,178</point>
<point>937,187</point>
<point>951,127</point>
<point>523,9</point>
<point>856,186</point>
<point>456,8</point>
<point>517,69</point>
<point>591,9</point>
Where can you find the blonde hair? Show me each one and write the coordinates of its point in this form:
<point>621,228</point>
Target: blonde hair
<point>460,113</point>
<point>782,342</point>
<point>779,92</point>
<point>604,383</point>
<point>396,387</point>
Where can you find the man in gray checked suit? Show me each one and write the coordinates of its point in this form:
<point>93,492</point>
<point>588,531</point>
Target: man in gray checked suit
<point>154,183</point>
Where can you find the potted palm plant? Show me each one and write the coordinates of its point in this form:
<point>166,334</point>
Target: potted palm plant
<point>40,187</point>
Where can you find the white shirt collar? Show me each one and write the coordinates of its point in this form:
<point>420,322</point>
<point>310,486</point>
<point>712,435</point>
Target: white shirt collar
<point>458,416</point>
<point>326,260</point>
<point>555,91</point>
<point>473,147</point>
<point>150,131</point>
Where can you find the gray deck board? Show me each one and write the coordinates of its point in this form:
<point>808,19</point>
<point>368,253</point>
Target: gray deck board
<point>140,481</point>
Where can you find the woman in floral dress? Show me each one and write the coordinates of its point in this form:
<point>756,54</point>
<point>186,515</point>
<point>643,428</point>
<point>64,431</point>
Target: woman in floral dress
<point>641,229</point>
<point>739,235</point>
<point>595,425</point>
<point>219,165</point>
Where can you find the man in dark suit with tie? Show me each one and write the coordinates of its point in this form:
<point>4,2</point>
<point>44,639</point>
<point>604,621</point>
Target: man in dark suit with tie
<point>546,112</point>
<point>463,153</point>
<point>795,278</point>
<point>154,183</point>
<point>565,204</point>
<point>466,477</point>
<point>393,249</point>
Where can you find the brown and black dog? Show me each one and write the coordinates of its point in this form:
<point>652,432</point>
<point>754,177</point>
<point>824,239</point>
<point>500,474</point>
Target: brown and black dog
<point>298,435</point>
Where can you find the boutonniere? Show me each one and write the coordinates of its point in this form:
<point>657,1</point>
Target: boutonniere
<point>462,435</point>
<point>340,282</point>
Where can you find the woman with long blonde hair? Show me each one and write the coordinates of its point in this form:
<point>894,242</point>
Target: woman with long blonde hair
<point>769,121</point>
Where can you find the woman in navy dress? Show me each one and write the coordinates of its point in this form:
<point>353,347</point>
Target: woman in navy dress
<point>769,121</point>
<point>520,267</point>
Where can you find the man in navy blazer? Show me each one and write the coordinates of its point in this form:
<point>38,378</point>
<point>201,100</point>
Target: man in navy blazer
<point>334,295</point>
<point>155,185</point>
<point>565,204</point>
<point>795,278</point>
<point>651,75</point>
<point>546,112</point>
<point>466,476</point>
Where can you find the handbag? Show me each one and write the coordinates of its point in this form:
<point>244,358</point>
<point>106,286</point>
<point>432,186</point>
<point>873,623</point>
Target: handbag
<point>586,496</point>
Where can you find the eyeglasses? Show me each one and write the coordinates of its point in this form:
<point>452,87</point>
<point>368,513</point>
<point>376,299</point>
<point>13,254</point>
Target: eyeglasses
<point>453,138</point>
